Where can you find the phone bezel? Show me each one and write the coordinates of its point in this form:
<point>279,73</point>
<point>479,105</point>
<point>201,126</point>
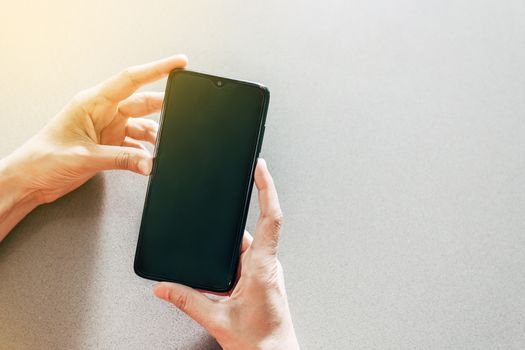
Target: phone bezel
<point>242,224</point>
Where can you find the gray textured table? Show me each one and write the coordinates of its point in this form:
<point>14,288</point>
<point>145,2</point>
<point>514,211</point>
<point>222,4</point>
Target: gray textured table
<point>396,136</point>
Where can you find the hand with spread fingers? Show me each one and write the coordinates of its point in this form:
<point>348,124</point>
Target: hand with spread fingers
<point>99,129</point>
<point>256,314</point>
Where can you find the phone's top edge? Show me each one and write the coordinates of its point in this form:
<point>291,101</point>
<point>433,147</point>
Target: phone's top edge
<point>204,74</point>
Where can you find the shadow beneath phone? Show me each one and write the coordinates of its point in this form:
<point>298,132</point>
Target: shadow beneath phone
<point>205,343</point>
<point>46,265</point>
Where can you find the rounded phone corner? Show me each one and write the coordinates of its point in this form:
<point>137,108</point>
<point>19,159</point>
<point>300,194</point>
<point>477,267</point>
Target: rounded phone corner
<point>265,89</point>
<point>138,271</point>
<point>176,71</point>
<point>228,287</point>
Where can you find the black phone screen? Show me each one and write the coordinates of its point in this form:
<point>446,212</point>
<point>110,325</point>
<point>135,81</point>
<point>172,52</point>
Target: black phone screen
<point>199,191</point>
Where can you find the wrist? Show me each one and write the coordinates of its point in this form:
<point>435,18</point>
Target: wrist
<point>17,198</point>
<point>15,179</point>
<point>281,340</point>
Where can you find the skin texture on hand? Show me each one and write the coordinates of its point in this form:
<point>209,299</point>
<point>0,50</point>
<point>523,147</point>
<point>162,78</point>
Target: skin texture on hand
<point>99,129</point>
<point>256,313</point>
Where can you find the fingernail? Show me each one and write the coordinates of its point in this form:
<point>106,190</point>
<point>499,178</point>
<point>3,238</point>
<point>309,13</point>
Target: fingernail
<point>144,166</point>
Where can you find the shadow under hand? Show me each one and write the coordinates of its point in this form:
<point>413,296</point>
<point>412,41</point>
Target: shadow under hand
<point>206,342</point>
<point>45,271</point>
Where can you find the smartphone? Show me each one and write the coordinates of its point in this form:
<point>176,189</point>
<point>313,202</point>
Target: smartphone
<point>210,135</point>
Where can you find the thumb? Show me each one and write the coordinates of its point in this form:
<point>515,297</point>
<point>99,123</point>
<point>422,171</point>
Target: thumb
<point>188,300</point>
<point>126,158</point>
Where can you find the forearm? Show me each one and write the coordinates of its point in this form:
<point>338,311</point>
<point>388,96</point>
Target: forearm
<point>16,198</point>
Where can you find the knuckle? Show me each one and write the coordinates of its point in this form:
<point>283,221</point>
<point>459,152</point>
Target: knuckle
<point>273,222</point>
<point>80,97</point>
<point>128,74</point>
<point>80,151</point>
<point>81,156</point>
<point>122,160</point>
<point>180,300</point>
<point>270,228</point>
<point>85,99</point>
<point>277,221</point>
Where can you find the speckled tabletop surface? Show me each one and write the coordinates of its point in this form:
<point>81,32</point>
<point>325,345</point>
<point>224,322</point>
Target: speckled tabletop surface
<point>396,136</point>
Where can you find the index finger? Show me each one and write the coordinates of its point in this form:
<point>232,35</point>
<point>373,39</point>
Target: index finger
<point>270,219</point>
<point>125,83</point>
